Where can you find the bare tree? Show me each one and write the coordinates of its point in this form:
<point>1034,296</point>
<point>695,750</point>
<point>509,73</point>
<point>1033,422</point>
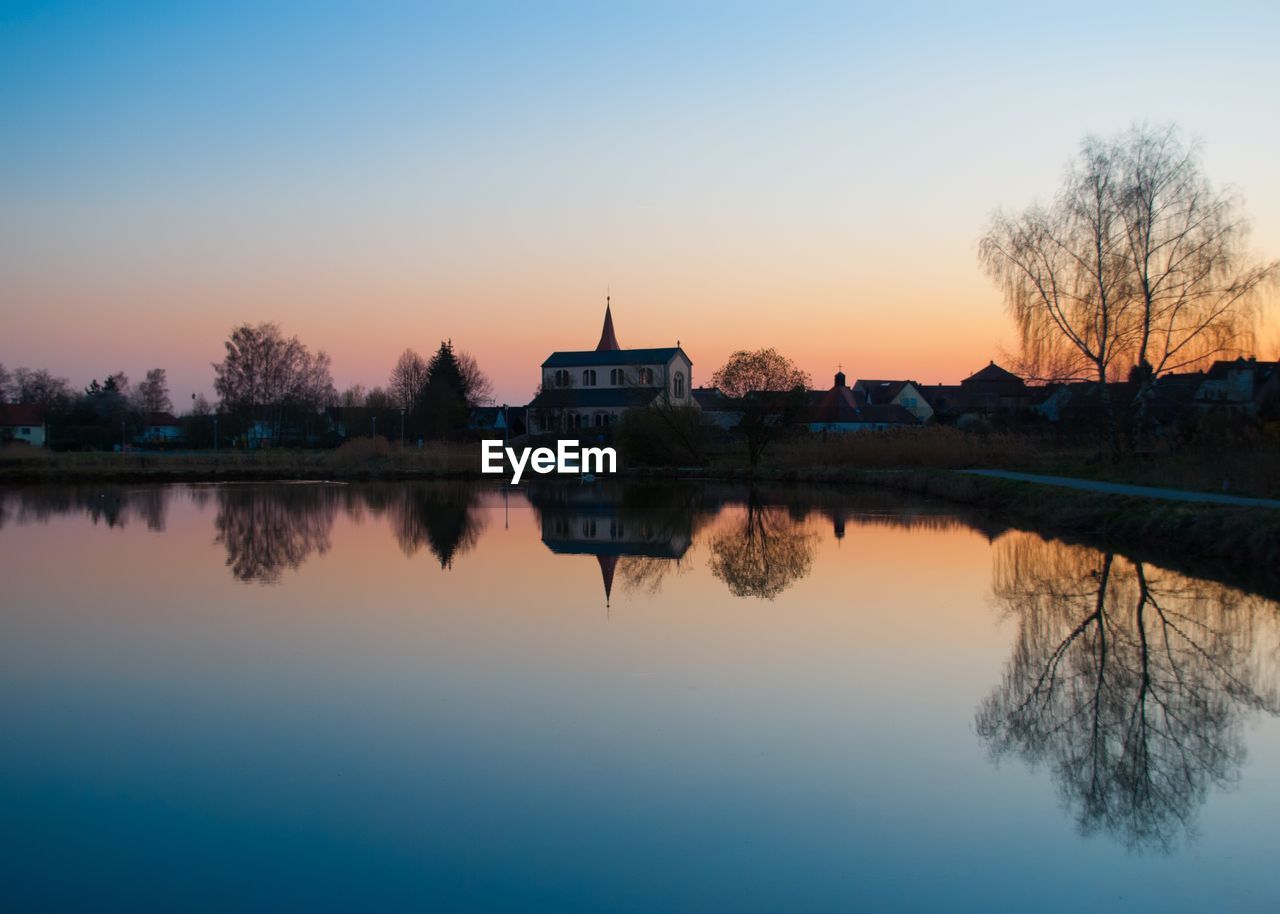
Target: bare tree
<point>407,379</point>
<point>6,379</point>
<point>200,405</point>
<point>479,389</point>
<point>353,396</point>
<point>378,399</point>
<point>265,374</point>
<point>770,394</point>
<point>39,386</point>
<point>1139,266</point>
<point>153,393</point>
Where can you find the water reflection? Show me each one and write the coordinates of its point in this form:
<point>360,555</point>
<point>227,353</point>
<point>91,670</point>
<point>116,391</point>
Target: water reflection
<point>1130,683</point>
<point>114,506</point>
<point>764,552</point>
<point>268,529</point>
<point>638,532</point>
<point>442,516</point>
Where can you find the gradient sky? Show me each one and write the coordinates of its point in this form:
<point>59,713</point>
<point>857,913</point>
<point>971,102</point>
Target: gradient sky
<point>375,176</point>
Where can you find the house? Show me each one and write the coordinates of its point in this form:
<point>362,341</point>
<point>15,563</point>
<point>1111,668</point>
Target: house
<point>506,421</point>
<point>846,409</point>
<point>989,391</point>
<point>906,394</point>
<point>161,428</point>
<point>1238,386</point>
<point>717,409</point>
<point>22,422</point>
<point>593,388</point>
<point>1080,404</point>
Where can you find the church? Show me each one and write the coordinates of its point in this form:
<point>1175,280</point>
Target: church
<point>592,388</point>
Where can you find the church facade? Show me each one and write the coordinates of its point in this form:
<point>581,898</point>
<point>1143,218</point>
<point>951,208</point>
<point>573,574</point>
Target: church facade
<point>592,388</point>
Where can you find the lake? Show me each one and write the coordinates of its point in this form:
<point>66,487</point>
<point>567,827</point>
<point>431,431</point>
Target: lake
<point>450,697</point>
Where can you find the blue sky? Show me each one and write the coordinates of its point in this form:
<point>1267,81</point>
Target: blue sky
<point>737,174</point>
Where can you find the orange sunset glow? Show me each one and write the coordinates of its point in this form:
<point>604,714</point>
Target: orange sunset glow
<point>816,182</point>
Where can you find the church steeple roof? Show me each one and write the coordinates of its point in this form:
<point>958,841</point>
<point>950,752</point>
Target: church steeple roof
<point>608,341</point>
<point>607,565</point>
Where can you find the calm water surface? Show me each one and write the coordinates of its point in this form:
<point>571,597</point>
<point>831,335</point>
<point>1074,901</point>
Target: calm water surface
<point>443,697</point>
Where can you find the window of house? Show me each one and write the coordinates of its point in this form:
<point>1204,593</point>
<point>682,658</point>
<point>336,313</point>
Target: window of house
<point>615,529</point>
<point>26,431</point>
<point>589,378</point>
<point>645,375</point>
<point>589,527</point>
<point>909,402</point>
<point>615,377</point>
<point>677,385</point>
<point>562,378</point>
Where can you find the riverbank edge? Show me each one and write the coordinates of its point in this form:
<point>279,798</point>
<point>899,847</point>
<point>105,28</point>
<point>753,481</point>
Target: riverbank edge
<point>1235,544</point>
<point>1240,539</point>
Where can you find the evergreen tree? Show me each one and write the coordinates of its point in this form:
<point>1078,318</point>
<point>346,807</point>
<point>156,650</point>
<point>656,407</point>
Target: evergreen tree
<point>443,405</point>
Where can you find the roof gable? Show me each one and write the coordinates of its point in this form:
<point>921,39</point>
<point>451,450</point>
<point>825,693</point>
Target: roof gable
<point>21,414</point>
<point>993,372</point>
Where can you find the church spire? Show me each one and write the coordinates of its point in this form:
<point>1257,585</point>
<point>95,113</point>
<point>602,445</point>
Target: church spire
<point>607,565</point>
<point>608,341</point>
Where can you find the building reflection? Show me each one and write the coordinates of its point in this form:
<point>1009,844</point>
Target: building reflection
<point>1131,684</point>
<point>639,534</point>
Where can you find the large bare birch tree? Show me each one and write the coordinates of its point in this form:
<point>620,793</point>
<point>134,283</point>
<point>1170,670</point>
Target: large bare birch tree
<point>1139,266</point>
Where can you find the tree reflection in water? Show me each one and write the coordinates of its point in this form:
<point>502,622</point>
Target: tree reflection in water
<point>267,529</point>
<point>764,553</point>
<point>112,505</point>
<point>443,516</point>
<point>1131,684</point>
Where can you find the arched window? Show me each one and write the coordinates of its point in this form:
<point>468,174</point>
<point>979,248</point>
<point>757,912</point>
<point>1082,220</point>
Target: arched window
<point>562,378</point>
<point>645,375</point>
<point>589,527</point>
<point>576,421</point>
<point>589,378</point>
<point>616,377</point>
<point>677,385</point>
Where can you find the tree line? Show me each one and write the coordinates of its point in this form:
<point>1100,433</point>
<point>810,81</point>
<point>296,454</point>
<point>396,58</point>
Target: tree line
<point>268,385</point>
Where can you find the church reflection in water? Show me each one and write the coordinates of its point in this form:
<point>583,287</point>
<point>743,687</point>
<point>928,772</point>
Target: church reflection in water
<point>640,533</point>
